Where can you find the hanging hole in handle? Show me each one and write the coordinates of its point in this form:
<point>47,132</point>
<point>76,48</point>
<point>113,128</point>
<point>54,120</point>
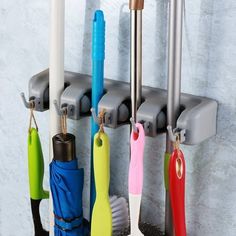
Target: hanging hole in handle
<point>99,142</point>
<point>179,168</point>
<point>136,135</point>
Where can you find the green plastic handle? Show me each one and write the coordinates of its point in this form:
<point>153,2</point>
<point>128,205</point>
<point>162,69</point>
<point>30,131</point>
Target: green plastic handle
<point>166,170</point>
<point>36,166</point>
<point>102,214</point>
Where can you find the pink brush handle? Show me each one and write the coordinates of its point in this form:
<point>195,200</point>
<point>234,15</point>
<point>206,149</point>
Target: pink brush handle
<point>137,142</point>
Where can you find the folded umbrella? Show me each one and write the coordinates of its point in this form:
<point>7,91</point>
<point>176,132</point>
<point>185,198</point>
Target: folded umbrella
<point>66,182</point>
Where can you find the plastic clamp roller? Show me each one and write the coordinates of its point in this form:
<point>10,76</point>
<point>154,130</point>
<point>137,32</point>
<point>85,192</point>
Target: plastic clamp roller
<point>150,112</point>
<point>116,103</point>
<point>198,118</point>
<point>77,95</point>
<point>39,91</point>
<point>196,123</point>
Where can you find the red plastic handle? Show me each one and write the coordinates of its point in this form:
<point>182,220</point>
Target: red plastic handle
<point>177,191</point>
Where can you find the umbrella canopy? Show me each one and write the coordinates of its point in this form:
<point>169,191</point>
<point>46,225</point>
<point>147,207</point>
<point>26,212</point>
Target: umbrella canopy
<point>66,182</point>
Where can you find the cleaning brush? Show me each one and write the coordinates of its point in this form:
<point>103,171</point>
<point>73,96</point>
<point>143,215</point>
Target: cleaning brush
<point>119,205</point>
<point>146,229</point>
<point>120,214</point>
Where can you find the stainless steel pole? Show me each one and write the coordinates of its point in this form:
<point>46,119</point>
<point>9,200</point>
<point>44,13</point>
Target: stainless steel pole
<point>174,86</point>
<point>136,7</point>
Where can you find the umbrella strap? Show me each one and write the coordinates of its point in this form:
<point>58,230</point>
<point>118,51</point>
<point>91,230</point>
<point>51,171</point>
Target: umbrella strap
<point>68,225</point>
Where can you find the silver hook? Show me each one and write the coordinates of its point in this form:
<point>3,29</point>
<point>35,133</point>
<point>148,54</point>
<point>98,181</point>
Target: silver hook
<point>95,117</point>
<point>60,111</point>
<point>173,133</point>
<point>26,103</point>
<point>134,127</point>
<point>172,136</point>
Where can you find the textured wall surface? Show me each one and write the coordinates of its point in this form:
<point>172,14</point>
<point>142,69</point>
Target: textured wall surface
<point>209,69</point>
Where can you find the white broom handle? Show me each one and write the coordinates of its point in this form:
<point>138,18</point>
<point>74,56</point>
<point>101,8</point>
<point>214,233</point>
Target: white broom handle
<point>56,75</point>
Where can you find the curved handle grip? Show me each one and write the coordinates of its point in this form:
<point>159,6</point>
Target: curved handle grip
<point>102,165</point>
<point>177,191</point>
<point>98,56</point>
<point>98,41</point>
<point>136,163</point>
<point>36,166</point>
<point>136,4</point>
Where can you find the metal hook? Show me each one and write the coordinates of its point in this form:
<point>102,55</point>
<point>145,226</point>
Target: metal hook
<point>135,129</point>
<point>29,104</point>
<point>174,133</point>
<point>60,111</point>
<point>97,120</point>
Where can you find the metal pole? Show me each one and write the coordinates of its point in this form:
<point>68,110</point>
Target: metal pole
<point>136,8</point>
<point>56,76</point>
<point>174,86</point>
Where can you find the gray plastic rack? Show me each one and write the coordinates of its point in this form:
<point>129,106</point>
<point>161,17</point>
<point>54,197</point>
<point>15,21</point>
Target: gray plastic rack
<point>197,119</point>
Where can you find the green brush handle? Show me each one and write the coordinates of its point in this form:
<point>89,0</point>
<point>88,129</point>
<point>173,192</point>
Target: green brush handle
<point>102,215</point>
<point>102,165</point>
<point>36,166</point>
<point>166,170</point>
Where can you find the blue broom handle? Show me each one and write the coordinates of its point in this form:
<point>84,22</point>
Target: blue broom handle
<point>98,57</point>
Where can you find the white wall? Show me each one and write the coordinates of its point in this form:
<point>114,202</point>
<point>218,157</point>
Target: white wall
<point>209,69</point>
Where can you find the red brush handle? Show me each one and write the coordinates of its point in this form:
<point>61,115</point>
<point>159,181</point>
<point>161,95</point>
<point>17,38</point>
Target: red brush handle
<point>177,191</point>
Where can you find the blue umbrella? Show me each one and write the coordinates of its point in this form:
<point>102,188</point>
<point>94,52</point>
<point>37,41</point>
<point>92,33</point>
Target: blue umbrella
<point>66,182</point>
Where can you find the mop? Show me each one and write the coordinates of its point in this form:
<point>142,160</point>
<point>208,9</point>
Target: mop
<point>173,101</point>
<point>137,134</point>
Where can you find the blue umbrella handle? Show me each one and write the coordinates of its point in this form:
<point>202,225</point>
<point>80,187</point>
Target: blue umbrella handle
<point>98,57</point>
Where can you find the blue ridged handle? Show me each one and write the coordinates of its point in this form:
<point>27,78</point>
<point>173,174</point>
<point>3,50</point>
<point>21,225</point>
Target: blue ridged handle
<point>98,57</point>
<point>98,41</point>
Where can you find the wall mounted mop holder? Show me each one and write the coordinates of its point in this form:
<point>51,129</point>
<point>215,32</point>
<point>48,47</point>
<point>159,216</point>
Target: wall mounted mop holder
<point>196,123</point>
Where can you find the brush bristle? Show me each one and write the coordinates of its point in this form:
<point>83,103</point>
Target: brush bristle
<point>146,229</point>
<point>120,213</point>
